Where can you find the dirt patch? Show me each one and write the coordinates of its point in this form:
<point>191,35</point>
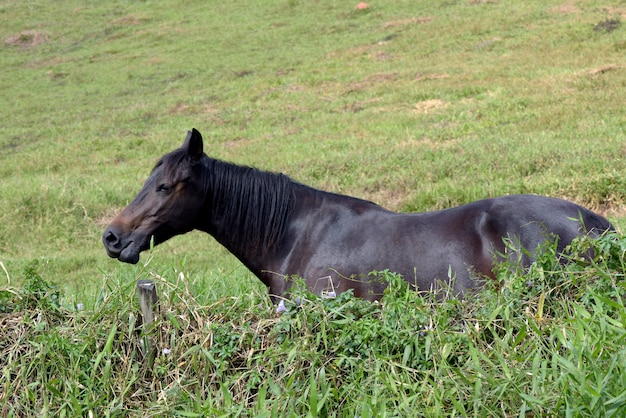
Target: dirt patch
<point>370,81</point>
<point>604,69</point>
<point>423,77</point>
<point>481,2</point>
<point>130,20</point>
<point>182,108</point>
<point>488,44</point>
<point>391,200</point>
<point>295,88</point>
<point>235,143</point>
<point>359,106</point>
<point>616,12</point>
<point>565,8</point>
<point>430,106</point>
<point>27,39</point>
<point>608,210</point>
<point>600,70</point>
<point>611,211</point>
<point>381,56</point>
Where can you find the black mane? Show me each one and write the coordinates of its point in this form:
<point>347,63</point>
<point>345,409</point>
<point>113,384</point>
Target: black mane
<point>250,206</point>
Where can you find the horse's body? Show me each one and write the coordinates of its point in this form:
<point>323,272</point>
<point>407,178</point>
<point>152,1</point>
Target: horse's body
<point>279,228</point>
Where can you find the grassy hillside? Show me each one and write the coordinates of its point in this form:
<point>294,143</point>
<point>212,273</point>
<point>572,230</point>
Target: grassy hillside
<point>417,106</point>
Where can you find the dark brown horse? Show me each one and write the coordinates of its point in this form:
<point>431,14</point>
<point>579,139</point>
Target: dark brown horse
<point>279,228</point>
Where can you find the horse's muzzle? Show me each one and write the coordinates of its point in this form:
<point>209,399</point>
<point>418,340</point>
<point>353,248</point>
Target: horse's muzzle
<point>119,247</point>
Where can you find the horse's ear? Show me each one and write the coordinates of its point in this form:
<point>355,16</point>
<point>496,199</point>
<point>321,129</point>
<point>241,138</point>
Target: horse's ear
<point>193,144</point>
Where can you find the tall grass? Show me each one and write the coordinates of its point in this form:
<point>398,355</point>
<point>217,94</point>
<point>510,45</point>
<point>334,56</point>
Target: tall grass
<point>415,105</point>
<point>548,341</point>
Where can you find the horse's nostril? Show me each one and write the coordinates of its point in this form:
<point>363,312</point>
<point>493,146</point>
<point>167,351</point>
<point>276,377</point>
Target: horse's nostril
<point>110,237</point>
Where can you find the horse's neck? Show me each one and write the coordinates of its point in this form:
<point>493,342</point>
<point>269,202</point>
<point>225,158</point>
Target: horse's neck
<point>246,210</point>
<point>257,216</point>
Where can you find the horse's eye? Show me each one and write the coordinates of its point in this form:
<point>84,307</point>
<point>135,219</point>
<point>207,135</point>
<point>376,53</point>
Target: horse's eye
<point>163,188</point>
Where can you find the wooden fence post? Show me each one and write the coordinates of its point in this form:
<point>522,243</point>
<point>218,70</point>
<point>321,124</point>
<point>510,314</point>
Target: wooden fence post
<point>148,302</point>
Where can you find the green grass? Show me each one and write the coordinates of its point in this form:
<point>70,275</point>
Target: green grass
<point>414,105</point>
<point>547,342</point>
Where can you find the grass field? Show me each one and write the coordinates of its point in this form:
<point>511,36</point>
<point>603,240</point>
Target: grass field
<point>414,105</point>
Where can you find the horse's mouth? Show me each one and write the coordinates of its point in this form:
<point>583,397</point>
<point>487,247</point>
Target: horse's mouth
<point>127,254</point>
<point>130,253</point>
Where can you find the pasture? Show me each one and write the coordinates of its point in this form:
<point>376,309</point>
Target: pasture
<point>416,106</point>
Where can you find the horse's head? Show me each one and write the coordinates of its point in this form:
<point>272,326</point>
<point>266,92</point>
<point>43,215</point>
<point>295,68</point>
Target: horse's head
<point>169,204</point>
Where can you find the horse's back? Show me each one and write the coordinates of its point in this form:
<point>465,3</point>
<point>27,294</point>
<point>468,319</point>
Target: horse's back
<point>347,238</point>
<point>466,240</point>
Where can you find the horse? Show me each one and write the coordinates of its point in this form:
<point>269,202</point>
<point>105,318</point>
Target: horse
<point>281,229</point>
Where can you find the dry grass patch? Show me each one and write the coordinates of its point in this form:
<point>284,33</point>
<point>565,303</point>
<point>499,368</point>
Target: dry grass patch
<point>424,77</point>
<point>615,12</point>
<point>430,106</point>
<point>370,81</point>
<point>565,8</point>
<point>392,200</point>
<point>27,39</point>
<point>603,69</point>
<point>600,70</point>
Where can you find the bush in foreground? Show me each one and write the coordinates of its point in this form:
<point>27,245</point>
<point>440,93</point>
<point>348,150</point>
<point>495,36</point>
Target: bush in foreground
<point>547,341</point>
